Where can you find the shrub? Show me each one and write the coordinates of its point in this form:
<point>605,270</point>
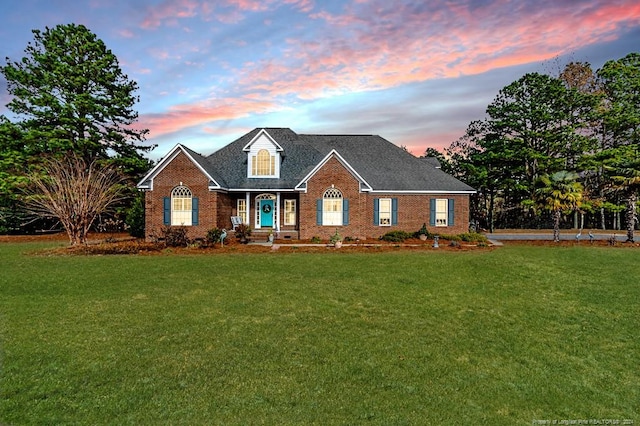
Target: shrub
<point>423,231</point>
<point>243,231</point>
<point>396,236</point>
<point>134,218</point>
<point>316,240</point>
<point>213,236</point>
<point>175,236</point>
<point>450,237</point>
<point>473,237</point>
<point>467,237</point>
<point>335,237</point>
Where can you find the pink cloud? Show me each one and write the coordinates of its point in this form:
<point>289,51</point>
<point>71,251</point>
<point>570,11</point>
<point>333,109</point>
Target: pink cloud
<point>303,5</point>
<point>380,45</point>
<point>190,115</point>
<point>417,144</point>
<point>232,17</point>
<point>126,33</point>
<point>250,5</point>
<point>162,54</point>
<point>168,12</point>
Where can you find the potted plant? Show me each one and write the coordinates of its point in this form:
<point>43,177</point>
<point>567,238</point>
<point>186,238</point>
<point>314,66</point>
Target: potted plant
<point>336,239</point>
<point>423,233</point>
<point>243,231</point>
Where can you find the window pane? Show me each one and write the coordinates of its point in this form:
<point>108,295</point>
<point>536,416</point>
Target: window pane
<point>332,212</point>
<point>332,207</point>
<point>441,212</point>
<point>181,206</point>
<point>242,210</point>
<point>263,164</point>
<point>289,212</point>
<point>384,207</point>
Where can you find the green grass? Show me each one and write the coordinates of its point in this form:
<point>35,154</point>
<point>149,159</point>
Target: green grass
<point>498,337</point>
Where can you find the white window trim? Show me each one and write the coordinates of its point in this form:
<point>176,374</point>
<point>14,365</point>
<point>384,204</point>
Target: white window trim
<point>181,217</point>
<point>287,213</point>
<point>384,216</point>
<point>273,162</point>
<point>244,214</point>
<point>269,166</point>
<point>442,213</point>
<point>332,217</point>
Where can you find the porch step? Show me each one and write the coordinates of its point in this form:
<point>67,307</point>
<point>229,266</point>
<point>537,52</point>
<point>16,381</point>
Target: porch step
<point>258,235</point>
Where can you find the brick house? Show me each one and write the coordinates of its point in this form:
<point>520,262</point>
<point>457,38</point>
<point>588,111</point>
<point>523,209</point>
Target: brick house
<point>300,186</point>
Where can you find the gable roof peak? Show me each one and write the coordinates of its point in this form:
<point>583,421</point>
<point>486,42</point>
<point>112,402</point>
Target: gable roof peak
<point>263,132</point>
<point>198,160</point>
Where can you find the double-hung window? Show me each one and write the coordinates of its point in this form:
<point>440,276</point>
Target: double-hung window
<point>385,211</point>
<point>441,212</point>
<point>242,210</point>
<point>289,212</point>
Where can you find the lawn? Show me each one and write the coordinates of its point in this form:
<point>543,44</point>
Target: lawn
<point>516,335</point>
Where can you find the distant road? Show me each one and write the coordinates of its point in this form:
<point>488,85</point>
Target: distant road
<point>565,234</point>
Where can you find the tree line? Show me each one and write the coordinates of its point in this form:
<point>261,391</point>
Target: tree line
<point>554,148</point>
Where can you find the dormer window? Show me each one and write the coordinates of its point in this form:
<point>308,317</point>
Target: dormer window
<point>263,164</point>
<point>264,155</point>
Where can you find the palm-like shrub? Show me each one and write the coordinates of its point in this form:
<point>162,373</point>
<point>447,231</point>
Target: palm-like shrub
<point>559,192</point>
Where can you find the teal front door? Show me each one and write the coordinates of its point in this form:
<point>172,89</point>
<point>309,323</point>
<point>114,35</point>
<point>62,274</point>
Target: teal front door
<point>266,213</point>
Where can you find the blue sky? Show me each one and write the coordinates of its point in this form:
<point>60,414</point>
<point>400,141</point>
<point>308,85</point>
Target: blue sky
<point>414,72</point>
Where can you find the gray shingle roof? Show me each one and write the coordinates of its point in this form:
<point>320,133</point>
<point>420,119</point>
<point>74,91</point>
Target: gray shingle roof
<point>383,165</point>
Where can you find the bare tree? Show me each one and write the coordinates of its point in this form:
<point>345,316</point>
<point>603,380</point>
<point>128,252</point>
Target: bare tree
<point>75,192</point>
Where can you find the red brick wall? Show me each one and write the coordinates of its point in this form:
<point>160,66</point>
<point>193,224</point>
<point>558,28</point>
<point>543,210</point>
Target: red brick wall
<point>413,210</point>
<point>181,169</point>
<point>226,209</point>
<point>332,173</point>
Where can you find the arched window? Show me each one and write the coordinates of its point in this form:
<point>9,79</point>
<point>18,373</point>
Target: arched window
<point>263,164</point>
<point>181,206</point>
<point>332,207</point>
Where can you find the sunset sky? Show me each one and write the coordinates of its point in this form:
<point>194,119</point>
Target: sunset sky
<point>413,72</point>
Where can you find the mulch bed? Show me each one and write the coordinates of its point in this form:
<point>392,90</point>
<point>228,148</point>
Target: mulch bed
<point>104,244</point>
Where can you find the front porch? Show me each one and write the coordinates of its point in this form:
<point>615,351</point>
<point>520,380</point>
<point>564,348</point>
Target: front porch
<point>268,213</point>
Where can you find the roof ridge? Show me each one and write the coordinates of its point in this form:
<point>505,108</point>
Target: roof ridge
<point>338,134</point>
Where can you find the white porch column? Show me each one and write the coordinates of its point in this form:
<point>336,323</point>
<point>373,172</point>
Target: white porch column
<point>277,215</point>
<point>248,212</point>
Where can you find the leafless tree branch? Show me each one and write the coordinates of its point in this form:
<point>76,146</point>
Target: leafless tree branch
<point>75,192</point>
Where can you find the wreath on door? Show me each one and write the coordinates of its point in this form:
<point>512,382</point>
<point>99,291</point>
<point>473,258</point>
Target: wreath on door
<point>266,208</point>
